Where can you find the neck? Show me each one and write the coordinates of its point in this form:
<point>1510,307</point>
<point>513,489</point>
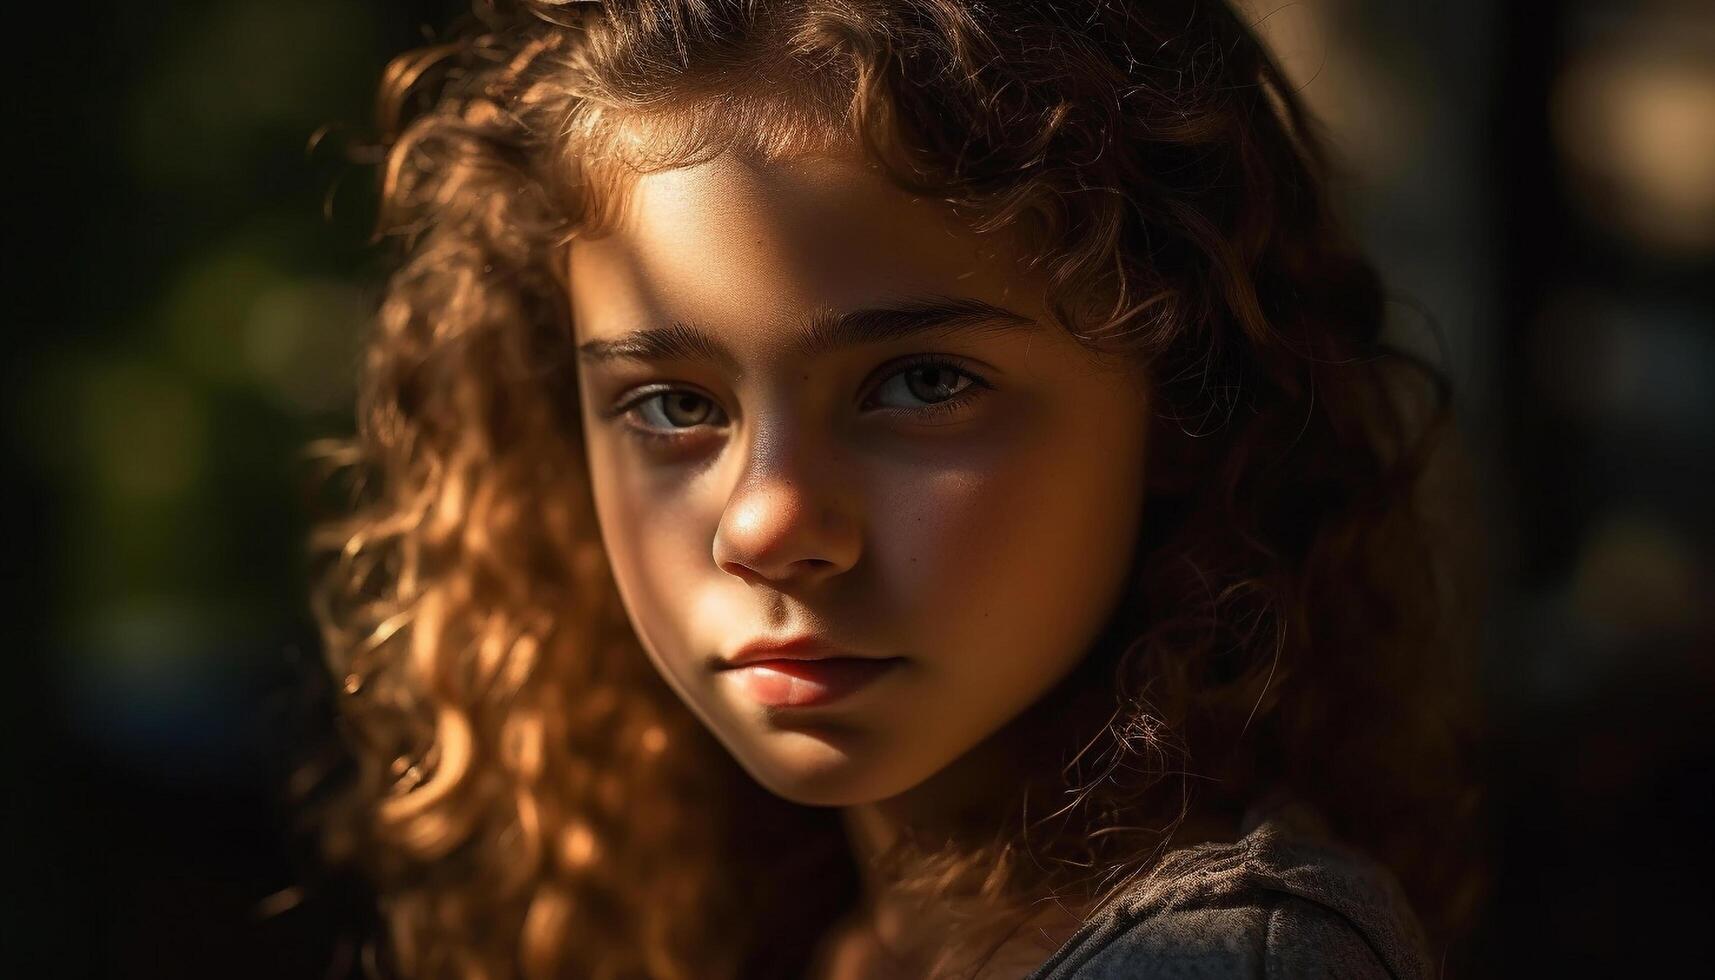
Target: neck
<point>972,800</point>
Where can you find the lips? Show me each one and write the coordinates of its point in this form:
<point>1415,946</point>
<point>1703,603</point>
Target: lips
<point>800,683</point>
<point>805,647</point>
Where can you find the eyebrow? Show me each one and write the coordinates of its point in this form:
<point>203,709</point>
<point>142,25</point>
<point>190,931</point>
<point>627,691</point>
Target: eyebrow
<point>825,331</point>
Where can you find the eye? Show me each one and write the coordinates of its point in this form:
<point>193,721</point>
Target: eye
<point>930,386</point>
<point>668,414</point>
<point>924,387</point>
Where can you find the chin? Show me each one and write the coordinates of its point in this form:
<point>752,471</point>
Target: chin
<point>817,769</point>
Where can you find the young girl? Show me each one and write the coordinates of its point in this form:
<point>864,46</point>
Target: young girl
<point>857,489</point>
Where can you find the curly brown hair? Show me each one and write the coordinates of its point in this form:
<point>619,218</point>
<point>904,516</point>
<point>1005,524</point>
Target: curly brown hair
<point>532,800</point>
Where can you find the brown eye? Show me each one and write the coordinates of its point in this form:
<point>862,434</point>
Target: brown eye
<point>934,382</point>
<point>668,414</point>
<point>683,409</point>
<point>925,385</point>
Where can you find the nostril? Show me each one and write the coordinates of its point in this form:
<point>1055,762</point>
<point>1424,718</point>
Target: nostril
<point>740,570</point>
<point>802,568</point>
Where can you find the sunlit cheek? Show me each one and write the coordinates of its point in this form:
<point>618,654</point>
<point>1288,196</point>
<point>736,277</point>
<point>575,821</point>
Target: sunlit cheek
<point>649,533</point>
<point>1012,553</point>
<point>950,543</point>
<point>664,566</point>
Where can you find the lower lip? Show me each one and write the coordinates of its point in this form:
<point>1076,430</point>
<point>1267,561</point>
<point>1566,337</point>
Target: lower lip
<point>807,683</point>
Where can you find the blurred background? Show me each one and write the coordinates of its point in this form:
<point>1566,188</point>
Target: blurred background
<point>1539,179</point>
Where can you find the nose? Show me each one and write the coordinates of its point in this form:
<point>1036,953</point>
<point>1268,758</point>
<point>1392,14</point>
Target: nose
<point>787,522</point>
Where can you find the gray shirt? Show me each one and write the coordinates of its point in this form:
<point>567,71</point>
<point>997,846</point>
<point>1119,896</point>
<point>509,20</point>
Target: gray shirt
<point>1283,902</point>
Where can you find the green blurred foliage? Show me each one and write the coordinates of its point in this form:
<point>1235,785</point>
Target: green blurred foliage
<point>212,330</point>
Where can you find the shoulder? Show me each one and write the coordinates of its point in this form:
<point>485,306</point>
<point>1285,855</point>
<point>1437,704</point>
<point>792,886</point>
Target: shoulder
<point>1282,903</point>
<point>1280,937</point>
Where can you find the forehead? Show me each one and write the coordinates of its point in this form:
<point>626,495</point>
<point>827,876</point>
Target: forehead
<point>751,247</point>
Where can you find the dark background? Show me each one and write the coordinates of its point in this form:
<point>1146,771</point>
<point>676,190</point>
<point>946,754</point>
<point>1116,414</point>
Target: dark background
<point>1539,177</point>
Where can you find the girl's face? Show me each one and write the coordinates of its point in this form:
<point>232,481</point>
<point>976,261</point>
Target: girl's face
<point>816,406</point>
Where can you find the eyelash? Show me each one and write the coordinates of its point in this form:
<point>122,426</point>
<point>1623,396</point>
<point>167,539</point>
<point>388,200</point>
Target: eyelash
<point>970,393</point>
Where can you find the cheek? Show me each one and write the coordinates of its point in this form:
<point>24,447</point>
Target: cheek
<point>1016,558</point>
<point>648,536</point>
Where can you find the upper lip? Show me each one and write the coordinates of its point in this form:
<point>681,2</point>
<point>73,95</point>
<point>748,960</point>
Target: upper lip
<point>788,648</point>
